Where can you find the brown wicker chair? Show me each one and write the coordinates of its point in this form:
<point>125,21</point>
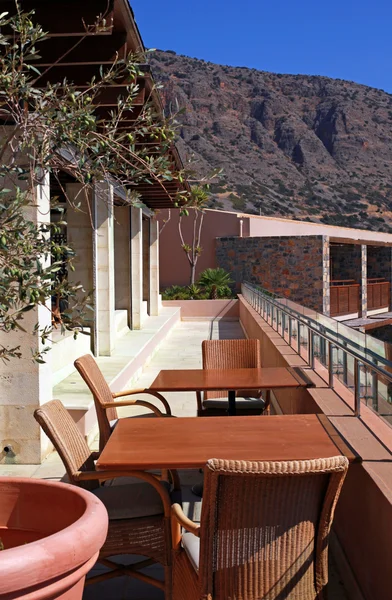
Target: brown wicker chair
<point>139,513</point>
<point>231,354</point>
<point>105,400</point>
<point>263,533</point>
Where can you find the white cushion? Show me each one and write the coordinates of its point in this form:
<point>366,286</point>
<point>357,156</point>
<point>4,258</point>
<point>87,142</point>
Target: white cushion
<point>241,403</point>
<point>131,501</point>
<point>191,545</point>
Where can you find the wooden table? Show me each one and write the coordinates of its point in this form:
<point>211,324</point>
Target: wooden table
<point>230,380</point>
<point>187,443</point>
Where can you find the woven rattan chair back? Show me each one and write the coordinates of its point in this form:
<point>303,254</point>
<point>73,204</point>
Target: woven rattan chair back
<point>265,528</point>
<point>230,354</point>
<point>100,390</point>
<point>69,442</point>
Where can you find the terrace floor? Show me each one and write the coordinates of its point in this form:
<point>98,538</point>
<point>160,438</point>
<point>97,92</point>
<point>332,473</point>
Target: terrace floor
<point>181,349</point>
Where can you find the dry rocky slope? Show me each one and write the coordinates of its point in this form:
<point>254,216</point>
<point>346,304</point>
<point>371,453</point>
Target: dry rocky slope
<point>297,146</point>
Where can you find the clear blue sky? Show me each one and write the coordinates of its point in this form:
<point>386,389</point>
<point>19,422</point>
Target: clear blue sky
<point>339,38</point>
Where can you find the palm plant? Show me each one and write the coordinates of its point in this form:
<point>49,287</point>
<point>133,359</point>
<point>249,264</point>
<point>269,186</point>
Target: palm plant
<point>194,291</point>
<point>217,282</point>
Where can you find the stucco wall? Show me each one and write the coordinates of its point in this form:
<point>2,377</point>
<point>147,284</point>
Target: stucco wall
<point>206,309</point>
<point>289,266</point>
<point>174,267</point>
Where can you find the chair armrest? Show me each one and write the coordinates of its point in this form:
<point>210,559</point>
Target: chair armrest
<point>147,477</point>
<point>144,391</point>
<point>179,516</point>
<point>120,403</point>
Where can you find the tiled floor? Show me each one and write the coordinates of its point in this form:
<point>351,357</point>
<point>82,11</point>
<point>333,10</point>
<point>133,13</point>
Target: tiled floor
<point>181,349</point>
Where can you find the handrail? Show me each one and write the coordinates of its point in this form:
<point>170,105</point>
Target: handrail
<point>335,282</point>
<point>266,303</point>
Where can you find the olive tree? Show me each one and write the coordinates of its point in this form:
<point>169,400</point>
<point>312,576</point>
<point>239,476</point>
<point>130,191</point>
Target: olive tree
<point>54,128</point>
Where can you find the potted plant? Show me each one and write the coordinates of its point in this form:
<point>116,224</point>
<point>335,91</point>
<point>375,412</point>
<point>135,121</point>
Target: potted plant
<point>51,534</point>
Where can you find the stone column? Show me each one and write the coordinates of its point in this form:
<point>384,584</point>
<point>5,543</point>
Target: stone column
<point>122,258</point>
<point>154,268</point>
<point>136,267</point>
<point>103,250</point>
<point>25,384</point>
<point>326,277</point>
<point>79,235</point>
<point>363,288</point>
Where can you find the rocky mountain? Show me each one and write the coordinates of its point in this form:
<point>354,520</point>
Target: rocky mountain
<point>298,146</point>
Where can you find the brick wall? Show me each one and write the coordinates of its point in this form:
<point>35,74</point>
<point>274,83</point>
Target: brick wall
<point>289,266</point>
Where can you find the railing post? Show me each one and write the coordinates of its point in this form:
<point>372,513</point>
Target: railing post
<point>345,370</point>
<point>298,337</point>
<point>330,364</point>
<point>310,348</point>
<point>357,387</point>
<point>375,389</point>
<point>290,330</point>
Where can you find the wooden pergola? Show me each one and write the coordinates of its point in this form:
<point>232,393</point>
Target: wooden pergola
<point>76,49</point>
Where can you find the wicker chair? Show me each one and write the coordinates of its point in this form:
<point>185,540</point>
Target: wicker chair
<point>105,400</point>
<point>139,513</point>
<point>231,354</point>
<point>263,533</point>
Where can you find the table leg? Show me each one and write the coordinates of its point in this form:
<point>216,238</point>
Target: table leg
<point>232,408</point>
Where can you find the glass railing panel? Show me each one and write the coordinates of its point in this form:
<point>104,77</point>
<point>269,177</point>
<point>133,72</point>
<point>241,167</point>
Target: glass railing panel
<point>293,322</point>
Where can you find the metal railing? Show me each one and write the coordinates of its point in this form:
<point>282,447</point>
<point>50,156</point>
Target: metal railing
<point>343,354</point>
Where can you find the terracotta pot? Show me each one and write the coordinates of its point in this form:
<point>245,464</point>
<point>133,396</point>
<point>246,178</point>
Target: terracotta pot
<point>52,533</point>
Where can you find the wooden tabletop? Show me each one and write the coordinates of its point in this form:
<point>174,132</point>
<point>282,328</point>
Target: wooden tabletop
<point>187,443</point>
<point>194,380</point>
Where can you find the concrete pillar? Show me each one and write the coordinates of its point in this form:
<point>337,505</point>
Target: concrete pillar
<point>363,287</point>
<point>104,285</point>
<point>122,258</point>
<point>154,268</point>
<point>326,277</point>
<point>79,235</point>
<point>25,384</point>
<point>146,260</point>
<point>136,266</point>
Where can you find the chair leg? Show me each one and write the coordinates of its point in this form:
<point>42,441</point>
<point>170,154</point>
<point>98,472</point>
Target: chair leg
<point>168,583</point>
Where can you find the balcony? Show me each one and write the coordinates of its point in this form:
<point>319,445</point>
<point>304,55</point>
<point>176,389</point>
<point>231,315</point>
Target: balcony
<point>345,296</point>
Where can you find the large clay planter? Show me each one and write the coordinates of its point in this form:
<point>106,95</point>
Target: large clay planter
<point>52,533</point>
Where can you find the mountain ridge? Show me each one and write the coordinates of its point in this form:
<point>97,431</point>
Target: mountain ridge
<point>307,147</point>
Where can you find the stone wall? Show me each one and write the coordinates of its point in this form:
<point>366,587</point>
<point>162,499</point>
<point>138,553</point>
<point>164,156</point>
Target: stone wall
<point>288,266</point>
<point>379,260</point>
<point>346,262</point>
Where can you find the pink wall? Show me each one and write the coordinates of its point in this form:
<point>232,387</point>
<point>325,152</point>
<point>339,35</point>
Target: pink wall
<point>174,267</point>
<point>206,309</point>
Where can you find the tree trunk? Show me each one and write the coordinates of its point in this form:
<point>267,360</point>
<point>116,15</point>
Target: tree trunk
<point>193,273</point>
